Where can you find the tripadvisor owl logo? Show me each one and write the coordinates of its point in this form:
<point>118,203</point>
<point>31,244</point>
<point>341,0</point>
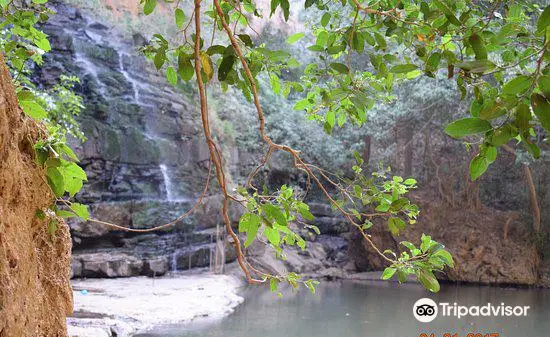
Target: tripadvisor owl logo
<point>425,310</point>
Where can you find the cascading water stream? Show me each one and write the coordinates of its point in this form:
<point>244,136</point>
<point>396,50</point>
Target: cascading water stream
<point>116,82</point>
<point>167,182</point>
<point>128,77</point>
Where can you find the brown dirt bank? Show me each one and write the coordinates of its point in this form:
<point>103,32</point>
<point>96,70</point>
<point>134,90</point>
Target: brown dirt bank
<point>35,294</point>
<point>489,246</point>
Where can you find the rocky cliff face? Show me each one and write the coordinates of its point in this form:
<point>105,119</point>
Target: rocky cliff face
<point>144,156</point>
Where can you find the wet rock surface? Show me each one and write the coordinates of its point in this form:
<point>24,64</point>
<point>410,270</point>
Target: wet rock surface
<point>144,154</point>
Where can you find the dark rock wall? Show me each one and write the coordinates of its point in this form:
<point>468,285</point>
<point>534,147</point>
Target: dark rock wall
<point>145,156</point>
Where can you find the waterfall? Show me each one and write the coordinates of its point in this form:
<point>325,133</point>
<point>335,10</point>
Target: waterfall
<point>167,182</point>
<point>89,68</point>
<point>133,82</point>
<point>174,266</point>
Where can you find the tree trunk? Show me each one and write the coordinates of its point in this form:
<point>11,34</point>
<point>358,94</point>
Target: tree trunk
<point>35,293</point>
<point>535,208</point>
<point>366,152</point>
<point>407,151</point>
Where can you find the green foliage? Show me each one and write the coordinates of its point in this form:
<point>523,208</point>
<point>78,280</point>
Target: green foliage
<point>334,93</point>
<point>499,58</point>
<point>420,261</point>
<point>467,127</point>
<point>273,214</point>
<point>62,105</point>
<point>55,108</point>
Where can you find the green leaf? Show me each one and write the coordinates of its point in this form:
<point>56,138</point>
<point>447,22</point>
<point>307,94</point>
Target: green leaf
<point>273,284</point>
<point>428,280</point>
<point>249,223</point>
<point>40,2</point>
<point>446,257</point>
<point>179,15</point>
<point>33,110</point>
<point>43,44</point>
<point>52,227</point>
<point>408,244</point>
<point>325,19</point>
<point>433,61</point>
<point>285,6</point>
<point>330,118</point>
<point>73,186</point>
<point>303,209</point>
<point>40,214</point>
<point>55,180</point>
<point>274,212</point>
<point>216,49</point>
<point>388,273</point>
<point>409,181</point>
<point>274,4</point>
<point>517,85</point>
<point>491,110</point>
<point>275,83</point>
<point>185,68</point>
<point>295,38</point>
<point>478,166</point>
<point>340,67</point>
<point>447,11</point>
<point>380,40</point>
<point>160,58</point>
<point>225,67</point>
<point>395,225</point>
<point>544,85</point>
<point>491,154</point>
<point>541,108</point>
<point>478,45</point>
<point>171,75</point>
<point>73,170</point>
<point>401,276</point>
<point>502,135</point>
<point>523,117</point>
<point>64,214</point>
<point>403,68</point>
<point>272,235</point>
<point>149,6</point>
<point>467,126</point>
<point>302,104</point>
<point>544,20</point>
<point>398,204</point>
<point>476,66</point>
<point>426,242</point>
<point>358,42</point>
<point>247,40</point>
<point>80,210</point>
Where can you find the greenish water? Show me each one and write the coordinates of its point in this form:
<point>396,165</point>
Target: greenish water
<point>371,309</point>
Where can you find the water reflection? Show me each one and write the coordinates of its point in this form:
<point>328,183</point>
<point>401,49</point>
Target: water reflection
<point>372,309</point>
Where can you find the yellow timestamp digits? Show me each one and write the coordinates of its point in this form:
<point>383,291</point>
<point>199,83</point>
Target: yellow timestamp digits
<point>471,334</point>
